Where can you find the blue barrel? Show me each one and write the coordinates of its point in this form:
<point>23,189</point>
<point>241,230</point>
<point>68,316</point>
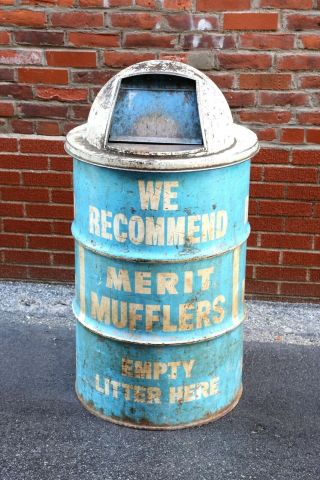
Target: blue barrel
<point>161,223</point>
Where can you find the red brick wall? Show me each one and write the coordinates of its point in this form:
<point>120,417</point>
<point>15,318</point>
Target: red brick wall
<point>264,55</point>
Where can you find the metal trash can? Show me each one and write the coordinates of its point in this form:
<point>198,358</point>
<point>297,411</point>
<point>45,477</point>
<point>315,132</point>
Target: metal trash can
<point>161,182</point>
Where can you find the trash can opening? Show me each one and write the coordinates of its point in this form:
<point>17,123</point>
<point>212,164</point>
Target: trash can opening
<point>156,109</point>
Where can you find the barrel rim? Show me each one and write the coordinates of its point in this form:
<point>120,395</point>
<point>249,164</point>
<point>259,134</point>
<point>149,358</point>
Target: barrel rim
<point>246,146</point>
<point>144,260</point>
<point>124,336</point>
<point>212,418</point>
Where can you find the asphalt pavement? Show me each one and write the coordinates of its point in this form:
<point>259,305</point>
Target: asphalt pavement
<point>273,433</point>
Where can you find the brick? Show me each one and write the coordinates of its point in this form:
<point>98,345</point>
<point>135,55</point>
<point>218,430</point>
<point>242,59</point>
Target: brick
<point>83,39</point>
<point>12,240</point>
<point>301,258</point>
<point>281,273</point>
<point>42,75</point>
<point>309,118</point>
<point>152,40</point>
<point>51,274</point>
<point>20,57</point>
<point>185,21</point>
<point>306,290</point>
<point>298,22</point>
<point>6,74</point>
<point>267,190</point>
<point>224,80</point>
<point>4,38</point>
<point>51,243</point>
<point>263,256</point>
<point>79,58</point>
<point>23,92</point>
<point>11,209</point>
<point>289,174</point>
<point>124,59</point>
<point>80,112</point>
<point>222,5</point>
<point>289,209</point>
<point>38,145</point>
<point>313,135</point>
<point>258,61</point>
<point>292,135</point>
<point>47,128</point>
<point>140,20</point>
<point>175,57</point>
<point>63,259</point>
<point>62,196</point>
<point>23,194</point>
<point>266,134</point>
<point>47,179</point>
<point>309,81</point>
<point>13,271</point>
<point>77,19</point>
<point>250,21</point>
<point>27,257</point>
<point>267,117</point>
<point>303,192</point>
<point>299,62</point>
<point>28,18</point>
<point>22,126</point>
<point>58,3</point>
<point>64,212</point>
<point>39,38</point>
<point>62,94</point>
<point>256,173</point>
<point>266,41</point>
<point>23,162</point>
<point>119,3</point>
<point>265,288</point>
<point>200,40</point>
<point>45,111</point>
<point>177,4</point>
<point>146,3</point>
<point>265,81</point>
<point>240,99</point>
<point>315,275</point>
<point>302,225</point>
<point>287,4</point>
<point>6,109</point>
<point>267,224</point>
<point>91,3</point>
<point>306,157</point>
<point>284,98</point>
<point>8,144</point>
<point>95,77</point>
<point>303,242</point>
<point>61,228</point>
<point>26,226</point>
<point>63,164</point>
<point>310,42</point>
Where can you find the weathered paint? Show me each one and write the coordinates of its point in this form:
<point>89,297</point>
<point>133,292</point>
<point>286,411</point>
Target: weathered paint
<point>160,274</point>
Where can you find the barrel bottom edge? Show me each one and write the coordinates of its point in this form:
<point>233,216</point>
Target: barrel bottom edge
<point>146,426</point>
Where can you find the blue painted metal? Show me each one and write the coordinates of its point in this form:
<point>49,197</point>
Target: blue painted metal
<point>159,292</point>
<point>156,108</point>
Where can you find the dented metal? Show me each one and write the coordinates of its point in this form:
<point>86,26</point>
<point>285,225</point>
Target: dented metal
<point>160,231</point>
